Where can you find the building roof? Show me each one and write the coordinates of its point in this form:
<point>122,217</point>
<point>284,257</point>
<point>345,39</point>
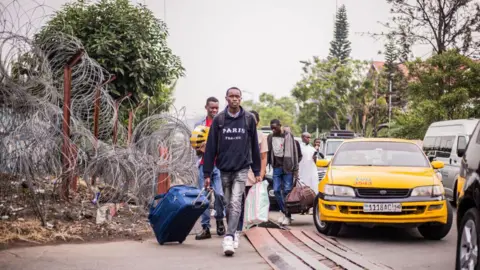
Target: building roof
<point>378,66</point>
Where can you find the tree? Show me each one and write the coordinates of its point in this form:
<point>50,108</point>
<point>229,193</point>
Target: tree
<point>269,107</point>
<point>392,71</point>
<point>341,93</point>
<point>444,87</point>
<point>442,24</point>
<point>161,101</point>
<point>391,57</point>
<point>126,40</point>
<point>340,46</point>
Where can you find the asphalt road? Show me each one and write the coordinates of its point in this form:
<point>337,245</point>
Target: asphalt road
<point>397,248</point>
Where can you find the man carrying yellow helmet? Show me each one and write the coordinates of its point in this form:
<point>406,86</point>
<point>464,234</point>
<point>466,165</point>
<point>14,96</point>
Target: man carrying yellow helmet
<point>198,141</point>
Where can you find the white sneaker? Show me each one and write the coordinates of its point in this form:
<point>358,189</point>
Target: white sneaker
<point>236,240</point>
<point>281,219</point>
<point>287,221</point>
<point>227,244</point>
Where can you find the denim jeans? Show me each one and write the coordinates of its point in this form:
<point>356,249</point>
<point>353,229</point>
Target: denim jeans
<point>216,184</point>
<point>234,188</point>
<point>282,185</point>
<point>240,221</point>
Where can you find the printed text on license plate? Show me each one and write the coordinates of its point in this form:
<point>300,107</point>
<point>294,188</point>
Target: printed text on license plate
<point>382,207</point>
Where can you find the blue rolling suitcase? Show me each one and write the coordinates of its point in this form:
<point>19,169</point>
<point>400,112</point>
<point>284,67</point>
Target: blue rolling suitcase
<point>174,216</point>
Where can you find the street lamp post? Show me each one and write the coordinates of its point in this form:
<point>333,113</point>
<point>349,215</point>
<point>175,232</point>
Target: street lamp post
<point>310,101</point>
<point>390,102</point>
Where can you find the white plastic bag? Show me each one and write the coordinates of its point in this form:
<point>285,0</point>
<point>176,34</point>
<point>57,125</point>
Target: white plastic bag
<point>257,205</point>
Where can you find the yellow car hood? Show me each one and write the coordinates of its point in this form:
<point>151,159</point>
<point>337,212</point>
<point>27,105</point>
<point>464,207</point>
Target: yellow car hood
<point>382,177</point>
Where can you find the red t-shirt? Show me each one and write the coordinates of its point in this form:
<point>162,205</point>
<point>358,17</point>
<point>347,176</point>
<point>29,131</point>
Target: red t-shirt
<point>208,123</point>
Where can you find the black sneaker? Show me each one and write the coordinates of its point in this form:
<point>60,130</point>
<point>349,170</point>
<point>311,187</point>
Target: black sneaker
<point>204,234</point>
<point>220,228</point>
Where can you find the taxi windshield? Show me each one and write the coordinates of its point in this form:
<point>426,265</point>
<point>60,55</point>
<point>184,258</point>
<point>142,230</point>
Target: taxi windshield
<point>332,147</point>
<point>395,154</point>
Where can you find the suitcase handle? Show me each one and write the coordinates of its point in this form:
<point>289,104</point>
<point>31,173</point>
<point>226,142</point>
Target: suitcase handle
<point>195,202</point>
<point>159,196</point>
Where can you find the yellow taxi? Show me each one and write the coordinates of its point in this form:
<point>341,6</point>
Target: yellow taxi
<point>382,182</point>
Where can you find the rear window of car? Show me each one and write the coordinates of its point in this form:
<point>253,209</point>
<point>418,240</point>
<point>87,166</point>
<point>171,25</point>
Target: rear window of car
<point>394,154</point>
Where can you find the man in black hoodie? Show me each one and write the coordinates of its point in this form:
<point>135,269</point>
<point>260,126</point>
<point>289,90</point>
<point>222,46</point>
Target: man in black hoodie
<point>233,145</point>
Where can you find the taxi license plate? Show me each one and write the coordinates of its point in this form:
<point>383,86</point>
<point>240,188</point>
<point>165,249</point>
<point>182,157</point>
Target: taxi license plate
<point>382,207</point>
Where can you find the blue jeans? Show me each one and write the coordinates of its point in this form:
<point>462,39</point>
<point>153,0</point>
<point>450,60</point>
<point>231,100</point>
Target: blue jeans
<point>216,184</point>
<point>282,185</point>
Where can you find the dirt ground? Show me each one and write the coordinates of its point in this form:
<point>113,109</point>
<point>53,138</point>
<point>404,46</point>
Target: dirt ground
<point>21,207</point>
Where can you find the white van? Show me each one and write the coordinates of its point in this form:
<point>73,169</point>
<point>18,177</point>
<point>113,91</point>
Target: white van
<point>441,142</point>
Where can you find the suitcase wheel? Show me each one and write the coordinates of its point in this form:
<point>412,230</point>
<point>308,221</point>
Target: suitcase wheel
<point>161,243</point>
<point>180,242</point>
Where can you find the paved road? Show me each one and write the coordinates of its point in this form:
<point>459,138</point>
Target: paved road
<point>397,248</point>
<point>129,255</point>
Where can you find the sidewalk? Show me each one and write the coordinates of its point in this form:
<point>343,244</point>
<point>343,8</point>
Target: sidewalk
<point>127,255</point>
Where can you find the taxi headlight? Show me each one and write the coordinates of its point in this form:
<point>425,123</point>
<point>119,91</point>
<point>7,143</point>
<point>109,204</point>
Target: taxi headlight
<point>342,191</point>
<point>428,191</point>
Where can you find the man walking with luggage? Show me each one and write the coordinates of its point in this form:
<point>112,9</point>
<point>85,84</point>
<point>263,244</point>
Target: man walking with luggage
<point>216,183</point>
<point>283,156</point>
<point>233,145</point>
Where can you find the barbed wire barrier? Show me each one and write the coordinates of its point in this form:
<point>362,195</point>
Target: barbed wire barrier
<point>31,138</point>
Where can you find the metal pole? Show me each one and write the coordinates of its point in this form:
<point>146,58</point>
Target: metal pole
<point>375,109</point>
<point>316,122</point>
<point>130,120</point>
<point>96,108</point>
<point>67,94</point>
<point>389,105</point>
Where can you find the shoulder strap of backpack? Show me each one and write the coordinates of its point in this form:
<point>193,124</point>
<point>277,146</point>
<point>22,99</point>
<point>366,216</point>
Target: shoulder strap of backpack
<point>221,119</point>
<point>248,117</point>
<point>221,122</point>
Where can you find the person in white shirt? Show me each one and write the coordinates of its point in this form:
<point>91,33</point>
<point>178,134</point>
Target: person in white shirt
<point>307,168</point>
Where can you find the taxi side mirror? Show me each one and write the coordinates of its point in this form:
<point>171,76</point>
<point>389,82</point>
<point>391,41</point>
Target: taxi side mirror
<point>437,164</point>
<point>322,163</point>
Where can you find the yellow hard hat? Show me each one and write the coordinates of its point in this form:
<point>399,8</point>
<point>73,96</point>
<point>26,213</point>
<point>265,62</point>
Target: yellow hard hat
<point>199,136</point>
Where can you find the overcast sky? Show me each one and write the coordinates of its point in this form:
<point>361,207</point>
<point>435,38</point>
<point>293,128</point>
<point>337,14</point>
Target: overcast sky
<point>254,44</point>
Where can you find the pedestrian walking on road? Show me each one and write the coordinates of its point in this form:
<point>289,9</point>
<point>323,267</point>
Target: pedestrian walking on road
<point>263,145</point>
<point>307,168</point>
<point>283,156</point>
<point>233,145</point>
<point>216,183</point>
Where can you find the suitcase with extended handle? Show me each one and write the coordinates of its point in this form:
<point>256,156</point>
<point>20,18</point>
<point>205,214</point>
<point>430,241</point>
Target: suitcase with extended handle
<point>175,214</point>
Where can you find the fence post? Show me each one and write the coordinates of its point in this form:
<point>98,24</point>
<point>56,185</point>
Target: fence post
<point>163,183</point>
<point>96,109</point>
<point>67,94</point>
<point>130,120</point>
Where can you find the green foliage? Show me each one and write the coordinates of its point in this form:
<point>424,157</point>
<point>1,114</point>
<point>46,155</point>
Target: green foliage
<point>444,87</point>
<point>340,45</point>
<point>341,92</point>
<point>126,40</point>
<point>391,57</point>
<point>269,107</point>
<point>161,101</point>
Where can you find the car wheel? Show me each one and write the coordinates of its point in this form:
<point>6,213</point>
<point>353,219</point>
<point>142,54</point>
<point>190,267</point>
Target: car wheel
<point>327,228</point>
<point>467,241</point>
<point>438,231</point>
